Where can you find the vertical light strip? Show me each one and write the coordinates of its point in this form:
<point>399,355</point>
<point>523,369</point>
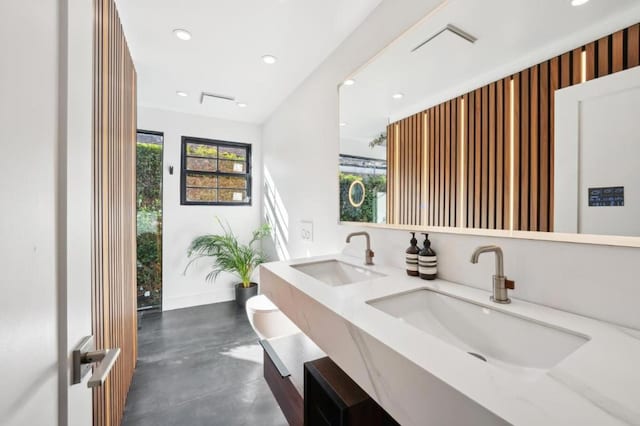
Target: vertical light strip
<point>462,162</point>
<point>512,145</point>
<point>425,169</point>
<point>396,173</point>
<point>583,66</point>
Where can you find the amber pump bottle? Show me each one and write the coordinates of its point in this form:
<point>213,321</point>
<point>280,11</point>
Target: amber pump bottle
<point>427,261</point>
<point>412,256</point>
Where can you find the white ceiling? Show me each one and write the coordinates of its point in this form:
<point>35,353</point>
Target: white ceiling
<point>224,56</point>
<point>512,34</point>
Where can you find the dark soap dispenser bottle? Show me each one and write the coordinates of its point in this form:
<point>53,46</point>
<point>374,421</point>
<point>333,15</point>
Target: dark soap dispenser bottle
<point>412,256</point>
<point>427,261</point>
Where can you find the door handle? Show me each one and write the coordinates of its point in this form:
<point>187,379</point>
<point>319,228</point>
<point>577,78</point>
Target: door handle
<point>85,355</point>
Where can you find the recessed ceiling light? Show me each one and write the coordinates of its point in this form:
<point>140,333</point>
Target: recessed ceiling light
<point>269,59</point>
<point>183,94</point>
<point>349,82</point>
<point>241,105</point>
<point>578,2</point>
<point>397,96</point>
<point>342,124</point>
<point>182,34</point>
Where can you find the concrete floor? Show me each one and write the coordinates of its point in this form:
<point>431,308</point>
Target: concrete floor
<point>200,366</point>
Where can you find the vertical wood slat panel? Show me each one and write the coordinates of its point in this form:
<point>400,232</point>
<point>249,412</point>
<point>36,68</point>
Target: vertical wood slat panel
<point>401,171</point>
<point>432,162</point>
<point>506,127</point>
<point>441,165</point>
<point>554,81</point>
<point>524,149</point>
<point>453,176</point>
<point>470,150</point>
<point>516,152</point>
<point>415,177</point>
<point>390,175</point>
<point>114,256</point>
<point>617,51</point>
<point>544,167</point>
<point>603,57</point>
<point>424,206</point>
<point>565,70</point>
<point>591,60</point>
<point>446,163</point>
<point>499,165</point>
<point>491,213</point>
<point>533,153</point>
<point>576,58</point>
<point>403,176</point>
<point>477,190</point>
<point>633,46</point>
<point>484,168</point>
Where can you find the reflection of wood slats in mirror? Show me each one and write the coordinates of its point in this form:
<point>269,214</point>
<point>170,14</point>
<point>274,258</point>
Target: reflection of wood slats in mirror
<point>486,171</point>
<point>451,165</point>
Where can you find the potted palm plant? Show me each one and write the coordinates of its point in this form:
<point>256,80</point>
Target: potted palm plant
<point>229,255</point>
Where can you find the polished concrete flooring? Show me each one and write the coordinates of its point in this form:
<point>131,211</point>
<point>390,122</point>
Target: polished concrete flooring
<point>200,366</point>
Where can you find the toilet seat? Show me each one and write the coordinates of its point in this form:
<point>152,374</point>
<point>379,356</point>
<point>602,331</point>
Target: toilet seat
<point>260,303</point>
<point>267,320</point>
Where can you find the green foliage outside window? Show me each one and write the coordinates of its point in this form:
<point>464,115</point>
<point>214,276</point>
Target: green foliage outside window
<point>149,224</point>
<point>367,212</point>
<point>149,176</point>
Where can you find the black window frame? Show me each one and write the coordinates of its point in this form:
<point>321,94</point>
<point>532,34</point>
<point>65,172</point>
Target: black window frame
<point>216,143</point>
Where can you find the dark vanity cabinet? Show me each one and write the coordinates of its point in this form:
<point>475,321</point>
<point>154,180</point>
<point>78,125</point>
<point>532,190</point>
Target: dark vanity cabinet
<point>331,398</point>
<point>312,390</point>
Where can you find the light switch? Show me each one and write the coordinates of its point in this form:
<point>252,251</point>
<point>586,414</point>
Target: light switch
<point>306,230</point>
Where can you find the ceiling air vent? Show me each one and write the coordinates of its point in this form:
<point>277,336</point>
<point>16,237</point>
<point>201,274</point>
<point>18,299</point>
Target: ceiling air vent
<point>215,97</point>
<point>451,28</point>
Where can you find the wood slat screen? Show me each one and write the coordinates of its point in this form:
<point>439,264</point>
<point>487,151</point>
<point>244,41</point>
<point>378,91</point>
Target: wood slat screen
<point>114,210</point>
<point>425,155</point>
<point>487,149</point>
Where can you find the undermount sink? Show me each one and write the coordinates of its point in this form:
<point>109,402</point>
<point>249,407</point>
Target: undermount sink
<point>518,345</point>
<point>334,272</point>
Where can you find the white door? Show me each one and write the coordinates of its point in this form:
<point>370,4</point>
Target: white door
<point>79,199</point>
<point>45,208</point>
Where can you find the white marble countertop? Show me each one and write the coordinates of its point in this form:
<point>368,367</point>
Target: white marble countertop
<point>598,384</point>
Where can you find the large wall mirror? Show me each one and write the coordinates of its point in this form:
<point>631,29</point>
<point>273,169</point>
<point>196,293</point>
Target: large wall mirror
<point>463,123</point>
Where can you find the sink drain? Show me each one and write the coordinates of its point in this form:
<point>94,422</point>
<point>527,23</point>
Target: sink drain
<point>480,357</point>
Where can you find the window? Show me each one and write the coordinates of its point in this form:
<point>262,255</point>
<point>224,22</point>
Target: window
<point>215,172</point>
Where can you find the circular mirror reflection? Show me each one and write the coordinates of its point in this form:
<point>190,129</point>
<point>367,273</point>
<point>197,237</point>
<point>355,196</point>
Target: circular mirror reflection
<point>356,193</point>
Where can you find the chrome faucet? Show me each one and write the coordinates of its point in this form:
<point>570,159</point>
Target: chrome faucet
<point>368,253</point>
<point>500,282</point>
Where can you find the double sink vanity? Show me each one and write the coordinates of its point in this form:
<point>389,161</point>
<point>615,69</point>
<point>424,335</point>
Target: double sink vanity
<point>441,353</point>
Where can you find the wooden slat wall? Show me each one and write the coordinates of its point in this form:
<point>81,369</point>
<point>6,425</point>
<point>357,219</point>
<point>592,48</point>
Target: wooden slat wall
<point>486,142</point>
<point>428,180</point>
<point>114,229</point>
<point>423,167</point>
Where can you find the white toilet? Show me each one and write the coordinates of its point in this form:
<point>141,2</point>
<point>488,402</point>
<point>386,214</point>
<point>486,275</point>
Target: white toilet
<point>267,320</point>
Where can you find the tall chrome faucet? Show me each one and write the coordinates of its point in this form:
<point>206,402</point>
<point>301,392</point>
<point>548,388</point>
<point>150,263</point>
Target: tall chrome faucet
<point>500,282</point>
<point>368,253</point>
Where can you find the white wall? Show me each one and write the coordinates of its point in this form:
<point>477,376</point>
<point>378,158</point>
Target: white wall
<point>28,194</point>
<point>182,223</point>
<point>301,139</point>
<point>362,149</point>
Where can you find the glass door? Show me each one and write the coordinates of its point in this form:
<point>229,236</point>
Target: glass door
<point>149,219</point>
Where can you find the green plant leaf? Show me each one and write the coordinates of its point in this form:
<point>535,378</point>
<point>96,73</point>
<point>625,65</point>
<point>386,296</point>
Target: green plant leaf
<point>227,254</point>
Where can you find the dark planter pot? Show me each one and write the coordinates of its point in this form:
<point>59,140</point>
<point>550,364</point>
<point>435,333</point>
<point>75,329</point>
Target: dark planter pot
<point>244,294</point>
